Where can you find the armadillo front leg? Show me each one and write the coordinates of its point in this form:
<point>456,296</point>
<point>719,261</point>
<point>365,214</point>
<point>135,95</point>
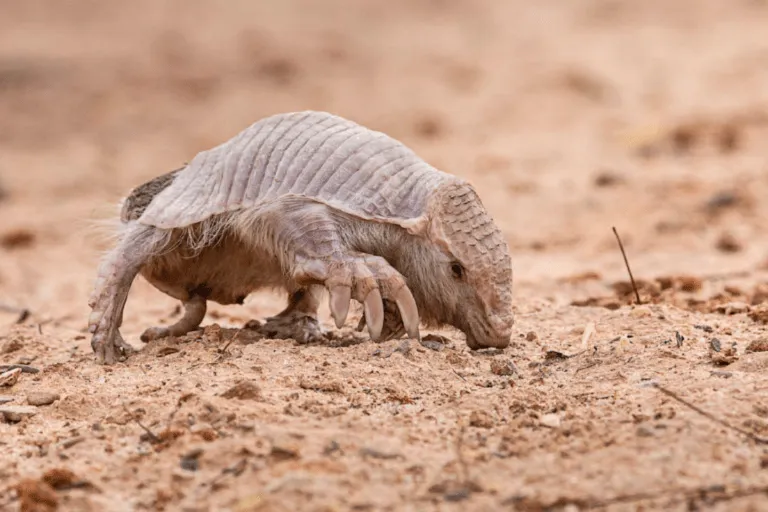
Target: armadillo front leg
<point>319,257</point>
<point>115,276</point>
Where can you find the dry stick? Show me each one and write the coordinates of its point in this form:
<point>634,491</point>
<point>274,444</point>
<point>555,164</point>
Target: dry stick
<point>153,438</point>
<point>626,262</point>
<point>673,395</point>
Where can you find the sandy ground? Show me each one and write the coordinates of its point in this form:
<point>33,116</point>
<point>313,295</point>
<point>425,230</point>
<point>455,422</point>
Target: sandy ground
<point>569,117</point>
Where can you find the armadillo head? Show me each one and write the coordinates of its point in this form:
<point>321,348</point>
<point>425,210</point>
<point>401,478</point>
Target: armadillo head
<point>474,269</point>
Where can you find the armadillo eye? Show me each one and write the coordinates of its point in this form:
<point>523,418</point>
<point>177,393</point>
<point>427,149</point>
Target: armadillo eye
<point>457,269</point>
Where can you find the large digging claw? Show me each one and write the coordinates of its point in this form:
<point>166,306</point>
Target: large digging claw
<point>371,281</point>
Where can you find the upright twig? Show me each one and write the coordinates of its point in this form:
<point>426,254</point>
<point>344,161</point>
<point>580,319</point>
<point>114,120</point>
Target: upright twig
<point>626,262</point>
<point>676,397</point>
<point>152,437</point>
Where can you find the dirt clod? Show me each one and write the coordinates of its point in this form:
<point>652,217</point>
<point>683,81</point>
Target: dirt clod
<point>503,367</point>
<point>760,345</point>
<point>481,419</point>
<point>727,242</point>
<point>244,390</point>
<point>40,398</point>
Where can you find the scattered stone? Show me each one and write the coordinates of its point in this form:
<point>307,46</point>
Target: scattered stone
<point>435,342</point>
<point>16,413</point>
<point>190,461</point>
<point>331,448</point>
<point>644,431</point>
<point>373,453</point>
<point>531,336</point>
<point>244,390</point>
<point>10,378</point>
<point>758,346</point>
<point>732,308</point>
<point>60,478</point>
<point>284,448</point>
<point>715,345</point>
<point>403,348</point>
<point>328,386</point>
<point>679,339</point>
<point>641,312</point>
<point>455,491</point>
<point>728,243</point>
<point>4,399</point>
<point>167,350</point>
<point>24,367</point>
<point>554,355</point>
<point>38,398</point>
<point>69,443</point>
<point>607,178</point>
<point>503,367</point>
<point>550,421</point>
<point>705,328</point>
<point>690,284</point>
<point>480,419</point>
<point>723,200</point>
<point>724,357</point>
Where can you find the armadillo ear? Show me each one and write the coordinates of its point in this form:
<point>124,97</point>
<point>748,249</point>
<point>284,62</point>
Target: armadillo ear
<point>435,232</point>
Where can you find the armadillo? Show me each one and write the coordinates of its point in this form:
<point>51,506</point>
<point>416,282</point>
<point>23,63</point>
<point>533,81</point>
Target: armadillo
<point>315,205</point>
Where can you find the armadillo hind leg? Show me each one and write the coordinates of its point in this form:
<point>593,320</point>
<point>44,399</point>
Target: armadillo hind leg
<point>115,277</point>
<point>194,312</point>
<point>298,321</point>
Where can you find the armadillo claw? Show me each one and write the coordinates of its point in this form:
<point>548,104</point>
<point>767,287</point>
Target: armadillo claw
<point>374,313</point>
<point>409,312</point>
<point>339,304</point>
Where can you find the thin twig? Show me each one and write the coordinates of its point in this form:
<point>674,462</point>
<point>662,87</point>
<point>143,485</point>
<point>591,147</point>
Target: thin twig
<point>223,349</point>
<point>675,396</point>
<point>460,455</point>
<point>626,262</point>
<point>459,375</point>
<point>24,368</point>
<point>152,437</point>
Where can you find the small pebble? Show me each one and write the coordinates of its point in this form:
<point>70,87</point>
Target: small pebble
<point>10,377</point>
<point>4,399</point>
<point>39,398</point>
<point>501,367</point>
<point>16,413</point>
<point>641,312</point>
<point>480,419</point>
<point>728,243</point>
<point>284,448</point>
<point>550,421</point>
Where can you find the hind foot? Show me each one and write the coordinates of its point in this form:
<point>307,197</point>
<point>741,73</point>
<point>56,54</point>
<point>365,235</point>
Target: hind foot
<point>194,312</point>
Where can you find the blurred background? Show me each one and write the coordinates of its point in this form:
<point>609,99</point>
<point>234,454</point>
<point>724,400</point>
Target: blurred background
<point>569,117</point>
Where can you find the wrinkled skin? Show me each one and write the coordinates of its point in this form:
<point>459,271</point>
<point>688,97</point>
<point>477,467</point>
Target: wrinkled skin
<point>458,272</point>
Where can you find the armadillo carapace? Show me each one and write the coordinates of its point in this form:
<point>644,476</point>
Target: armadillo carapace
<point>308,202</point>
